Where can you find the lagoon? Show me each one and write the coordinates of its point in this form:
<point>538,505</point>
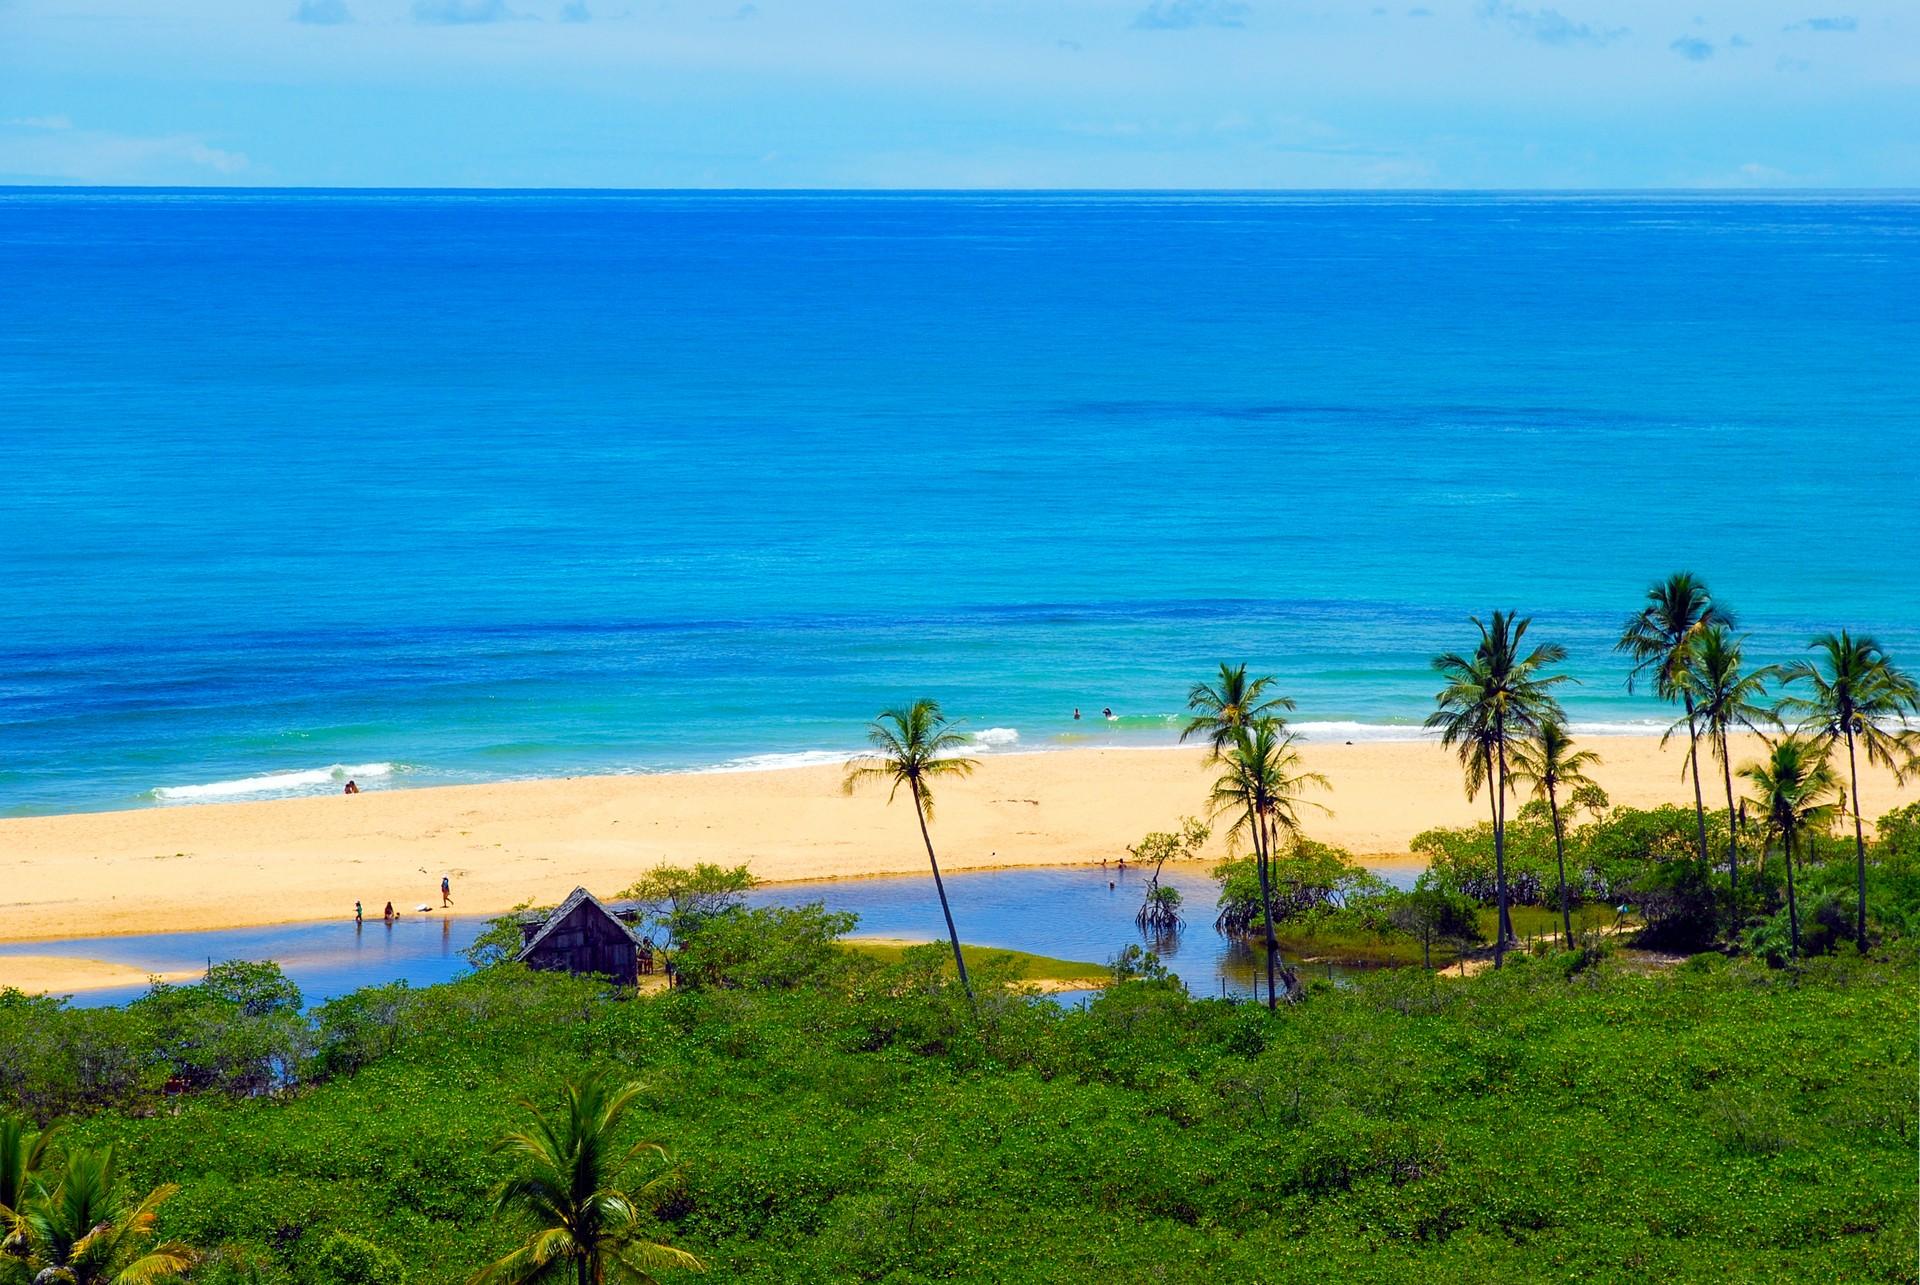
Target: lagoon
<point>1064,912</point>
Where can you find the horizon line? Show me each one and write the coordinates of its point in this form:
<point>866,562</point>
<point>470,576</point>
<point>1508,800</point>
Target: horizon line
<point>1380,193</point>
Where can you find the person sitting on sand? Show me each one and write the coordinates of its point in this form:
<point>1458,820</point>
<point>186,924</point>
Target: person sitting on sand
<point>389,916</point>
<point>353,787</point>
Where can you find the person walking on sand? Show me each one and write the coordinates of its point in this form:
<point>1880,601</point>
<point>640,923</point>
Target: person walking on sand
<point>446,892</point>
<point>358,917</point>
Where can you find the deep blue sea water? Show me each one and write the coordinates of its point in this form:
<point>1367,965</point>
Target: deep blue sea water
<point>481,485</point>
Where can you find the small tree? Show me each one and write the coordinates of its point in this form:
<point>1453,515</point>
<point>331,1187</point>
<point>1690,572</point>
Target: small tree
<point>679,900</point>
<point>1160,908</point>
<point>1431,915</point>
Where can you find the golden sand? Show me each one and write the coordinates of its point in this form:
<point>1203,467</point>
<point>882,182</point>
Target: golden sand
<point>63,974</point>
<point>240,864</point>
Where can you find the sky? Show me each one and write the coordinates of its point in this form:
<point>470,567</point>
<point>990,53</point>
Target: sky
<point>1243,94</point>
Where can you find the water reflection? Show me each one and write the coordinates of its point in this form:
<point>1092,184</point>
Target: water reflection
<point>1079,913</point>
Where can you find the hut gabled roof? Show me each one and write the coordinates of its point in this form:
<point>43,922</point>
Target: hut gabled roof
<point>575,899</point>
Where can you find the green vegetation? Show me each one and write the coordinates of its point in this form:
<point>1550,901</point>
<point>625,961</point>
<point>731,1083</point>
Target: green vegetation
<point>1012,965</point>
<point>1566,1118</point>
<point>578,1223</point>
<point>81,1224</point>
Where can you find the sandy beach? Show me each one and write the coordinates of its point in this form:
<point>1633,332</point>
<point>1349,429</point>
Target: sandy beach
<point>242,864</point>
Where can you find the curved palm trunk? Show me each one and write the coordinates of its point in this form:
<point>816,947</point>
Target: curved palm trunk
<point>1859,847</point>
<point>953,934</point>
<point>1733,835</point>
<point>1699,800</point>
<point>1560,856</point>
<point>1793,906</point>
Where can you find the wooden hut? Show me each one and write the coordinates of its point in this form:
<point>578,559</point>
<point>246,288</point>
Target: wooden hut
<point>583,935</point>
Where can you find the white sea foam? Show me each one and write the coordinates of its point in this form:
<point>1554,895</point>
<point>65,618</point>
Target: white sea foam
<point>305,782</point>
<point>1641,727</point>
<point>780,762</point>
<point>995,737</point>
<point>1341,730</point>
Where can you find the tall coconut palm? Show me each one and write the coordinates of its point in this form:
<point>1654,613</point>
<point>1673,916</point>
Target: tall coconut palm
<point>1726,697</point>
<point>90,1229</point>
<point>1494,699</point>
<point>914,747</point>
<point>1260,785</point>
<point>1660,639</point>
<point>1857,694</point>
<point>1229,703</point>
<point>1547,762</point>
<point>582,1226</point>
<point>1796,792</point>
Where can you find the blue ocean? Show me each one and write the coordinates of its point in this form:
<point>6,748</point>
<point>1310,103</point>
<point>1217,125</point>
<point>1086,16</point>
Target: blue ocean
<point>426,487</point>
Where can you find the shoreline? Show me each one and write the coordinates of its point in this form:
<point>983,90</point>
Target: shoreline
<point>209,866</point>
<point>390,776</point>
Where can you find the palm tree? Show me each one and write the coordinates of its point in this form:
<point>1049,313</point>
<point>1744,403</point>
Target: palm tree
<point>1261,784</point>
<point>1660,638</point>
<point>1492,700</point>
<point>1724,699</point>
<point>1795,790</point>
<point>23,1159</point>
<point>89,1230</point>
<point>582,1227</point>
<point>1549,761</point>
<point>1232,702</point>
<point>913,747</point>
<point>1858,694</point>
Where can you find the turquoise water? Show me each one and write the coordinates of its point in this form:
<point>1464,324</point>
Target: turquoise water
<point>454,486</point>
<point>1064,913</point>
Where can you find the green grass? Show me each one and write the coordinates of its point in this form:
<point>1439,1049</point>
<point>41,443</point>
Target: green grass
<point>1338,945</point>
<point>1019,965</point>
